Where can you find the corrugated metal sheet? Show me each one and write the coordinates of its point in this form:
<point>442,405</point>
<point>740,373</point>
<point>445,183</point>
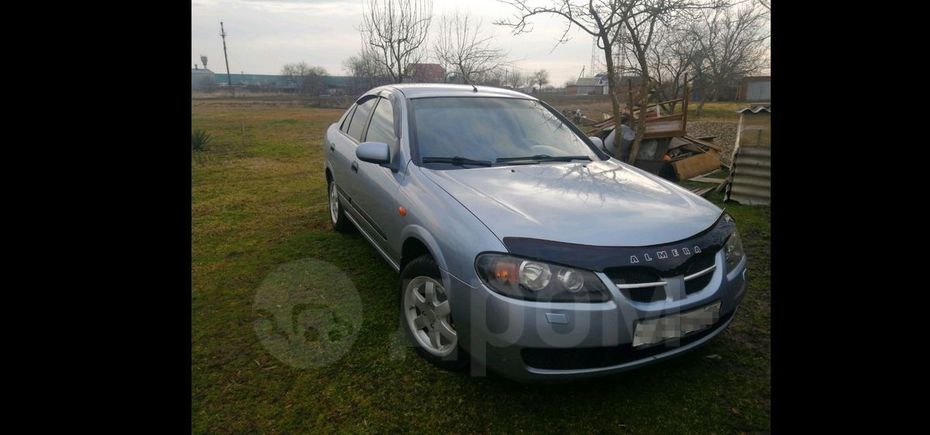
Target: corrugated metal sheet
<point>756,109</point>
<point>752,176</point>
<point>750,180</point>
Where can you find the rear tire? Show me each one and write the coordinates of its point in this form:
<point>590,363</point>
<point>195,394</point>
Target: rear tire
<point>426,316</point>
<point>336,214</point>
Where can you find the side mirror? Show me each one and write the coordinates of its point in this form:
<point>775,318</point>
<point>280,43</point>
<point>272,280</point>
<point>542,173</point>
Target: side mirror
<point>374,152</point>
<point>597,142</point>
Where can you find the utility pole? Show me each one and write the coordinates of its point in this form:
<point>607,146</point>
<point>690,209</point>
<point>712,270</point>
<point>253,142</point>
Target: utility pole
<point>593,69</point>
<point>223,34</point>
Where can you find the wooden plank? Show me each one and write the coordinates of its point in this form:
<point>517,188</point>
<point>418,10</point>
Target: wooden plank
<point>696,165</point>
<point>704,143</point>
<point>705,175</point>
<point>662,134</point>
<point>707,180</point>
<point>676,117</point>
<point>701,191</point>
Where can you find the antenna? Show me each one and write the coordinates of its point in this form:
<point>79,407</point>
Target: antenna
<point>223,34</point>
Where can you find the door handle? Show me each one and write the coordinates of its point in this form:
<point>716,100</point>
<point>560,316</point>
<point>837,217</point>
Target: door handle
<point>354,166</point>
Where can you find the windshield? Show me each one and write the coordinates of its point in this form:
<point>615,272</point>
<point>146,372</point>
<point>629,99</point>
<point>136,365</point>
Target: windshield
<point>479,131</point>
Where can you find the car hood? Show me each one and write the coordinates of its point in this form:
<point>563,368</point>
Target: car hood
<point>603,203</point>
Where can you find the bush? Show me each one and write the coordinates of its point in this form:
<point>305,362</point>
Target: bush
<point>199,139</point>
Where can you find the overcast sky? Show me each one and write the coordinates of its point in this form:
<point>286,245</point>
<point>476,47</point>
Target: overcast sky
<point>263,35</point>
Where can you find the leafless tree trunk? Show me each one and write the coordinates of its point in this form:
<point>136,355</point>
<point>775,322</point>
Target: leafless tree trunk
<point>366,71</point>
<point>306,79</point>
<point>461,48</point>
<point>601,19</point>
<point>598,19</point>
<point>641,23</point>
<point>732,45</point>
<point>540,78</point>
<point>514,78</point>
<point>671,58</point>
<point>395,30</point>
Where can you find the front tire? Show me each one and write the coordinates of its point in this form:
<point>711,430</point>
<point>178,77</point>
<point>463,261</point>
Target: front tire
<point>336,214</point>
<point>426,315</point>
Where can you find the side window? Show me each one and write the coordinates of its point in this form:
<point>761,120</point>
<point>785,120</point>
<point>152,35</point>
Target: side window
<point>347,120</point>
<point>360,118</point>
<point>381,128</point>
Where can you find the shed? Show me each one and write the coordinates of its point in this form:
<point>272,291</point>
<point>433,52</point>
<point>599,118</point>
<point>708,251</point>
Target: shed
<point>751,174</point>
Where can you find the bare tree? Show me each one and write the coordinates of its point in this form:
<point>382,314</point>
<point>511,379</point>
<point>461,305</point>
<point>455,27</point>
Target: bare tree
<point>599,20</point>
<point>540,78</point>
<point>462,49</point>
<point>731,44</point>
<point>366,71</point>
<point>603,20</point>
<point>396,30</point>
<point>306,79</point>
<point>496,77</point>
<point>671,56</point>
<point>514,78</point>
<point>641,21</point>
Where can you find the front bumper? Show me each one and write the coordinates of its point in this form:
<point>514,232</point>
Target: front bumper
<point>528,340</point>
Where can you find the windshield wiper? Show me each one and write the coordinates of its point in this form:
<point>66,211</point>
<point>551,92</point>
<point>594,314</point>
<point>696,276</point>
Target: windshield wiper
<point>457,161</point>
<point>540,158</point>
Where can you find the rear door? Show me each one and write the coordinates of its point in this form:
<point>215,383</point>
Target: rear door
<point>336,163</point>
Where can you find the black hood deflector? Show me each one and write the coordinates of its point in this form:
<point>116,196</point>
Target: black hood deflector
<point>668,258</point>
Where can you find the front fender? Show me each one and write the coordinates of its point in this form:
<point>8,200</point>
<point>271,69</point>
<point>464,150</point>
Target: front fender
<point>451,233</point>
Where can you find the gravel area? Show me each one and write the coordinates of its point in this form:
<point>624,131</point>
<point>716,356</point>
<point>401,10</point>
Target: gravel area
<point>724,130</point>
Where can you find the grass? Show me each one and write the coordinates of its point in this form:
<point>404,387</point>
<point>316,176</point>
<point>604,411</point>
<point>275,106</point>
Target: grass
<point>259,201</point>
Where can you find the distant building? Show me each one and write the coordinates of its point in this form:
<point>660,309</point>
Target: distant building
<point>596,85</point>
<point>425,73</point>
<point>266,81</point>
<point>338,85</point>
<point>755,89</point>
<point>335,85</point>
<point>551,90</point>
<point>202,79</point>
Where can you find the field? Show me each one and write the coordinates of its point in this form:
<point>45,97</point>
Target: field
<point>259,202</point>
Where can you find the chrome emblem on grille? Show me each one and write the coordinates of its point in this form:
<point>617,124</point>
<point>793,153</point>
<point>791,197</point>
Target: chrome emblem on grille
<point>663,255</point>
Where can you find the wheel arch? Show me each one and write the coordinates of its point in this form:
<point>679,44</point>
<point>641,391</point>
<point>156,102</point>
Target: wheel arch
<point>418,241</point>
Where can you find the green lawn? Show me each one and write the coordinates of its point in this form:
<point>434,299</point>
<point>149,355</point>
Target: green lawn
<point>259,201</point>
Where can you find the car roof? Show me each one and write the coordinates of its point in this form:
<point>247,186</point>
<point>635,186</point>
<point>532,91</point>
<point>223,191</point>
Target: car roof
<point>425,90</point>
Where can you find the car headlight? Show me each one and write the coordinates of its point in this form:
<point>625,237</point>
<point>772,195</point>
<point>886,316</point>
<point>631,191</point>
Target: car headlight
<point>539,281</point>
<point>733,250</point>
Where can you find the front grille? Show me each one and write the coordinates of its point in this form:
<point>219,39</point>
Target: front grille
<point>596,357</point>
<point>699,272</point>
<point>633,281</point>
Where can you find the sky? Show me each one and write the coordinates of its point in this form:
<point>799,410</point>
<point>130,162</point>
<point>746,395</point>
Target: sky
<point>264,35</point>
